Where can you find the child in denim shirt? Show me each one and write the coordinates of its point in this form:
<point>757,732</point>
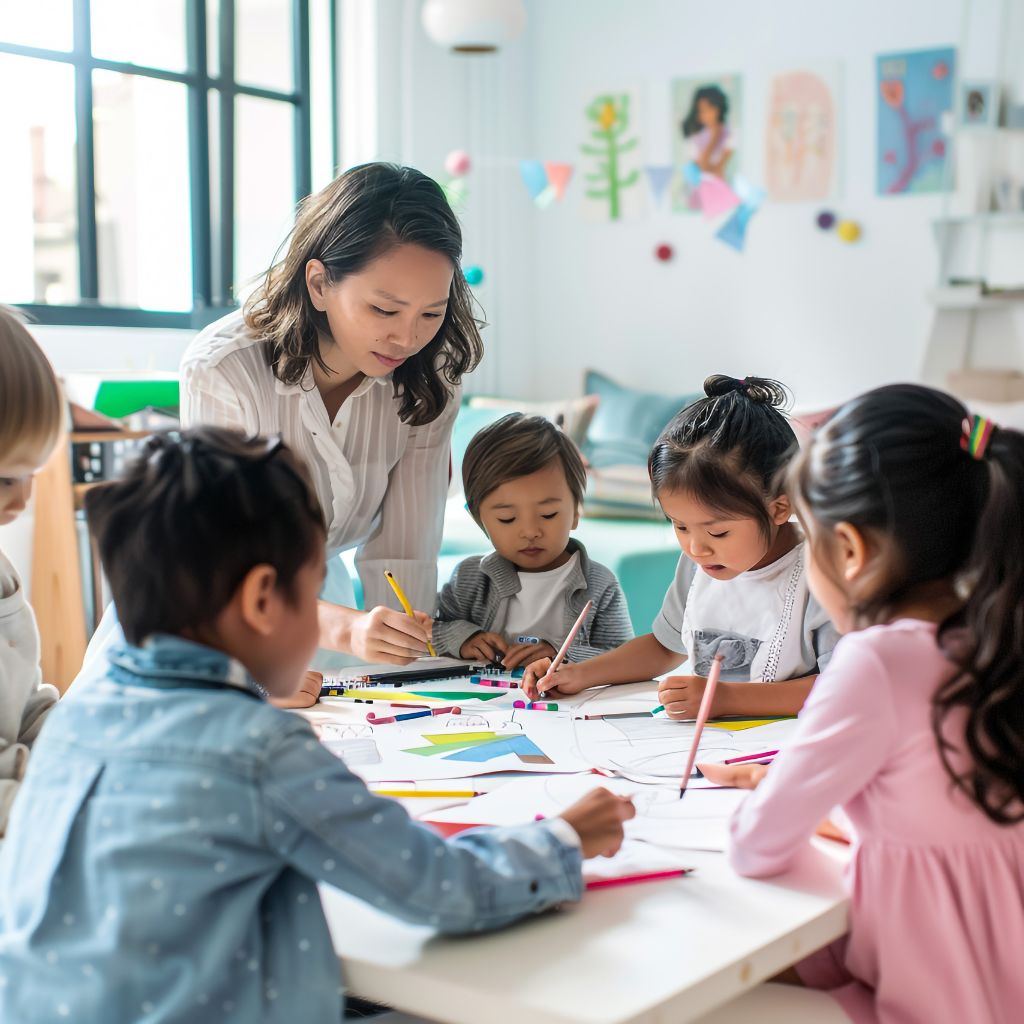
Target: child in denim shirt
<point>188,821</point>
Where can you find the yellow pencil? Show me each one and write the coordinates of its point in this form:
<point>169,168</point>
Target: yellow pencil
<point>433,793</point>
<point>389,576</point>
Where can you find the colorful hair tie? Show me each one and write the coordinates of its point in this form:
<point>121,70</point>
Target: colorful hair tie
<point>976,436</point>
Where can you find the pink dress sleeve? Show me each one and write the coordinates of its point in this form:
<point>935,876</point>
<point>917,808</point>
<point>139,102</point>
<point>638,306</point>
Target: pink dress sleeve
<point>846,730</point>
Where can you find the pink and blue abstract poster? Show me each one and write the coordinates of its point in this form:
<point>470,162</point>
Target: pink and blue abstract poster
<point>915,89</point>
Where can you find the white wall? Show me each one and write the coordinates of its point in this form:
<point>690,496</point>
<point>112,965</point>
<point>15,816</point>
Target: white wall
<point>430,102</point>
<point>828,319</point>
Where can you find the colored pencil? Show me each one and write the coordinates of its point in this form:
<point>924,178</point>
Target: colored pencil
<point>751,757</point>
<point>702,716</point>
<point>560,656</point>
<point>649,876</point>
<point>404,601</point>
<point>432,793</point>
<point>426,713</point>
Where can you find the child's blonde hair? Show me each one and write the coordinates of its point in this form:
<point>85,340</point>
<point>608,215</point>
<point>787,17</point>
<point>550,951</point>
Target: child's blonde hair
<point>31,407</point>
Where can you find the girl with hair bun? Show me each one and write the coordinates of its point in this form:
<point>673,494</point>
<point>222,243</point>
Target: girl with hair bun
<point>740,589</point>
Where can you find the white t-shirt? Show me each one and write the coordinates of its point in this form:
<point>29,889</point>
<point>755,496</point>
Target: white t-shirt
<point>765,622</point>
<point>539,607</point>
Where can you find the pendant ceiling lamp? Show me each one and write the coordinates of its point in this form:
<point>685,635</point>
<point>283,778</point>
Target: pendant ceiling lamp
<point>473,26</point>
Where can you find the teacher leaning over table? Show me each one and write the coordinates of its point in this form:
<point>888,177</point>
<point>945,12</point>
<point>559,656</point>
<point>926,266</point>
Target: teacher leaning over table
<point>352,348</point>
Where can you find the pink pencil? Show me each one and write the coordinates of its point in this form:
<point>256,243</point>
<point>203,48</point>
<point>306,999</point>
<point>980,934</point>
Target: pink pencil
<point>560,656</point>
<point>650,876</point>
<point>769,754</point>
<point>702,716</point>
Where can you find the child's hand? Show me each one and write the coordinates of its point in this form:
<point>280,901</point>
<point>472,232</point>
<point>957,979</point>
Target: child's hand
<point>391,637</point>
<point>597,819</point>
<point>566,681</point>
<point>681,696</point>
<point>482,646</point>
<point>525,654</point>
<point>735,776</point>
<point>305,696</point>
<point>828,829</point>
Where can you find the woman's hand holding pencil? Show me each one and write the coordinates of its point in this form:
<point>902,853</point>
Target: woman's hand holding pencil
<point>385,636</point>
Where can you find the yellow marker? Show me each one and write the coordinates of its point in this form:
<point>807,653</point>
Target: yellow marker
<point>404,601</point>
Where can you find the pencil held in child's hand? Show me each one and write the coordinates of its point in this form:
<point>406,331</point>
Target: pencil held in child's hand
<point>560,656</point>
<point>702,717</point>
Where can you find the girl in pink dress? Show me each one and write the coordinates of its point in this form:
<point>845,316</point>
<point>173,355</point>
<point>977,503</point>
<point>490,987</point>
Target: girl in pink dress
<point>912,511</point>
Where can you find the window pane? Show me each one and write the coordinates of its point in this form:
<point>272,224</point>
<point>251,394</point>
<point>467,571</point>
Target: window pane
<point>44,23</point>
<point>264,183</point>
<point>149,33</point>
<point>321,93</point>
<point>142,192</point>
<point>38,207</point>
<point>263,43</point>
<point>213,37</point>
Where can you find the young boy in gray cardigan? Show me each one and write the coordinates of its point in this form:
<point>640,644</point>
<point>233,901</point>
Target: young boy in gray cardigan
<point>524,482</point>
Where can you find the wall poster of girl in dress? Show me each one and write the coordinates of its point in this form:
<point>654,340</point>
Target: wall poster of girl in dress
<point>706,114</point>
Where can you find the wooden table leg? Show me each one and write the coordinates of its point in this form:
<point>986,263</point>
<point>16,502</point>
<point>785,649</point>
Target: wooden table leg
<point>56,572</point>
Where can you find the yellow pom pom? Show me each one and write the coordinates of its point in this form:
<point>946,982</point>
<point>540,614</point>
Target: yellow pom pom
<point>848,230</point>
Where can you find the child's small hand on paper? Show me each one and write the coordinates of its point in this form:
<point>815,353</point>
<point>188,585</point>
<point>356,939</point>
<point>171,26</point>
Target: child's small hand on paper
<point>734,776</point>
<point>597,819</point>
<point>525,654</point>
<point>681,696</point>
<point>305,696</point>
<point>489,647</point>
<point>565,682</point>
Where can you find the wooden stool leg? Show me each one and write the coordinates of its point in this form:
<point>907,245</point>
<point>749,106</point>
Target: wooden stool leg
<point>56,573</point>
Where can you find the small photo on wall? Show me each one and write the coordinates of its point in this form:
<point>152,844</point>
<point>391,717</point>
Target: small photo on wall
<point>979,104</point>
<point>706,114</point>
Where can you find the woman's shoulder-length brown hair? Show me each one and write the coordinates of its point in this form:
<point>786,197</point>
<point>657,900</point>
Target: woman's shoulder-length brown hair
<point>360,216</point>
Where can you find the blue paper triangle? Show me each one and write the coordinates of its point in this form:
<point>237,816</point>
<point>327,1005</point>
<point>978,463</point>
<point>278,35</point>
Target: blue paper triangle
<point>734,231</point>
<point>534,176</point>
<point>658,178</point>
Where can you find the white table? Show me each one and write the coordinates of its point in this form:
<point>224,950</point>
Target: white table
<point>659,953</point>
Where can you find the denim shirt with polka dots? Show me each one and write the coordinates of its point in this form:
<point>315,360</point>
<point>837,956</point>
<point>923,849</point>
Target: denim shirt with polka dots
<point>164,852</point>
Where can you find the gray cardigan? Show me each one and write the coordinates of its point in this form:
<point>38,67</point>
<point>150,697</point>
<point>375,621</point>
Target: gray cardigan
<point>477,597</point>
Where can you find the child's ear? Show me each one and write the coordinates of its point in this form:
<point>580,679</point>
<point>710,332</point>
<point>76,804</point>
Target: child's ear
<point>576,517</point>
<point>258,599</point>
<point>780,509</point>
<point>852,551</point>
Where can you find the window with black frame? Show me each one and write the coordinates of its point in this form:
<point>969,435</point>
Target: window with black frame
<point>153,152</point>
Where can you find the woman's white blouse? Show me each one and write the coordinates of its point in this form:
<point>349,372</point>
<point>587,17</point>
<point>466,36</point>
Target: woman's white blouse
<point>382,483</point>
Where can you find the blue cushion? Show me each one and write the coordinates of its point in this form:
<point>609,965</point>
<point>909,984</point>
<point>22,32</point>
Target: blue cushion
<point>627,422</point>
<point>467,424</point>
